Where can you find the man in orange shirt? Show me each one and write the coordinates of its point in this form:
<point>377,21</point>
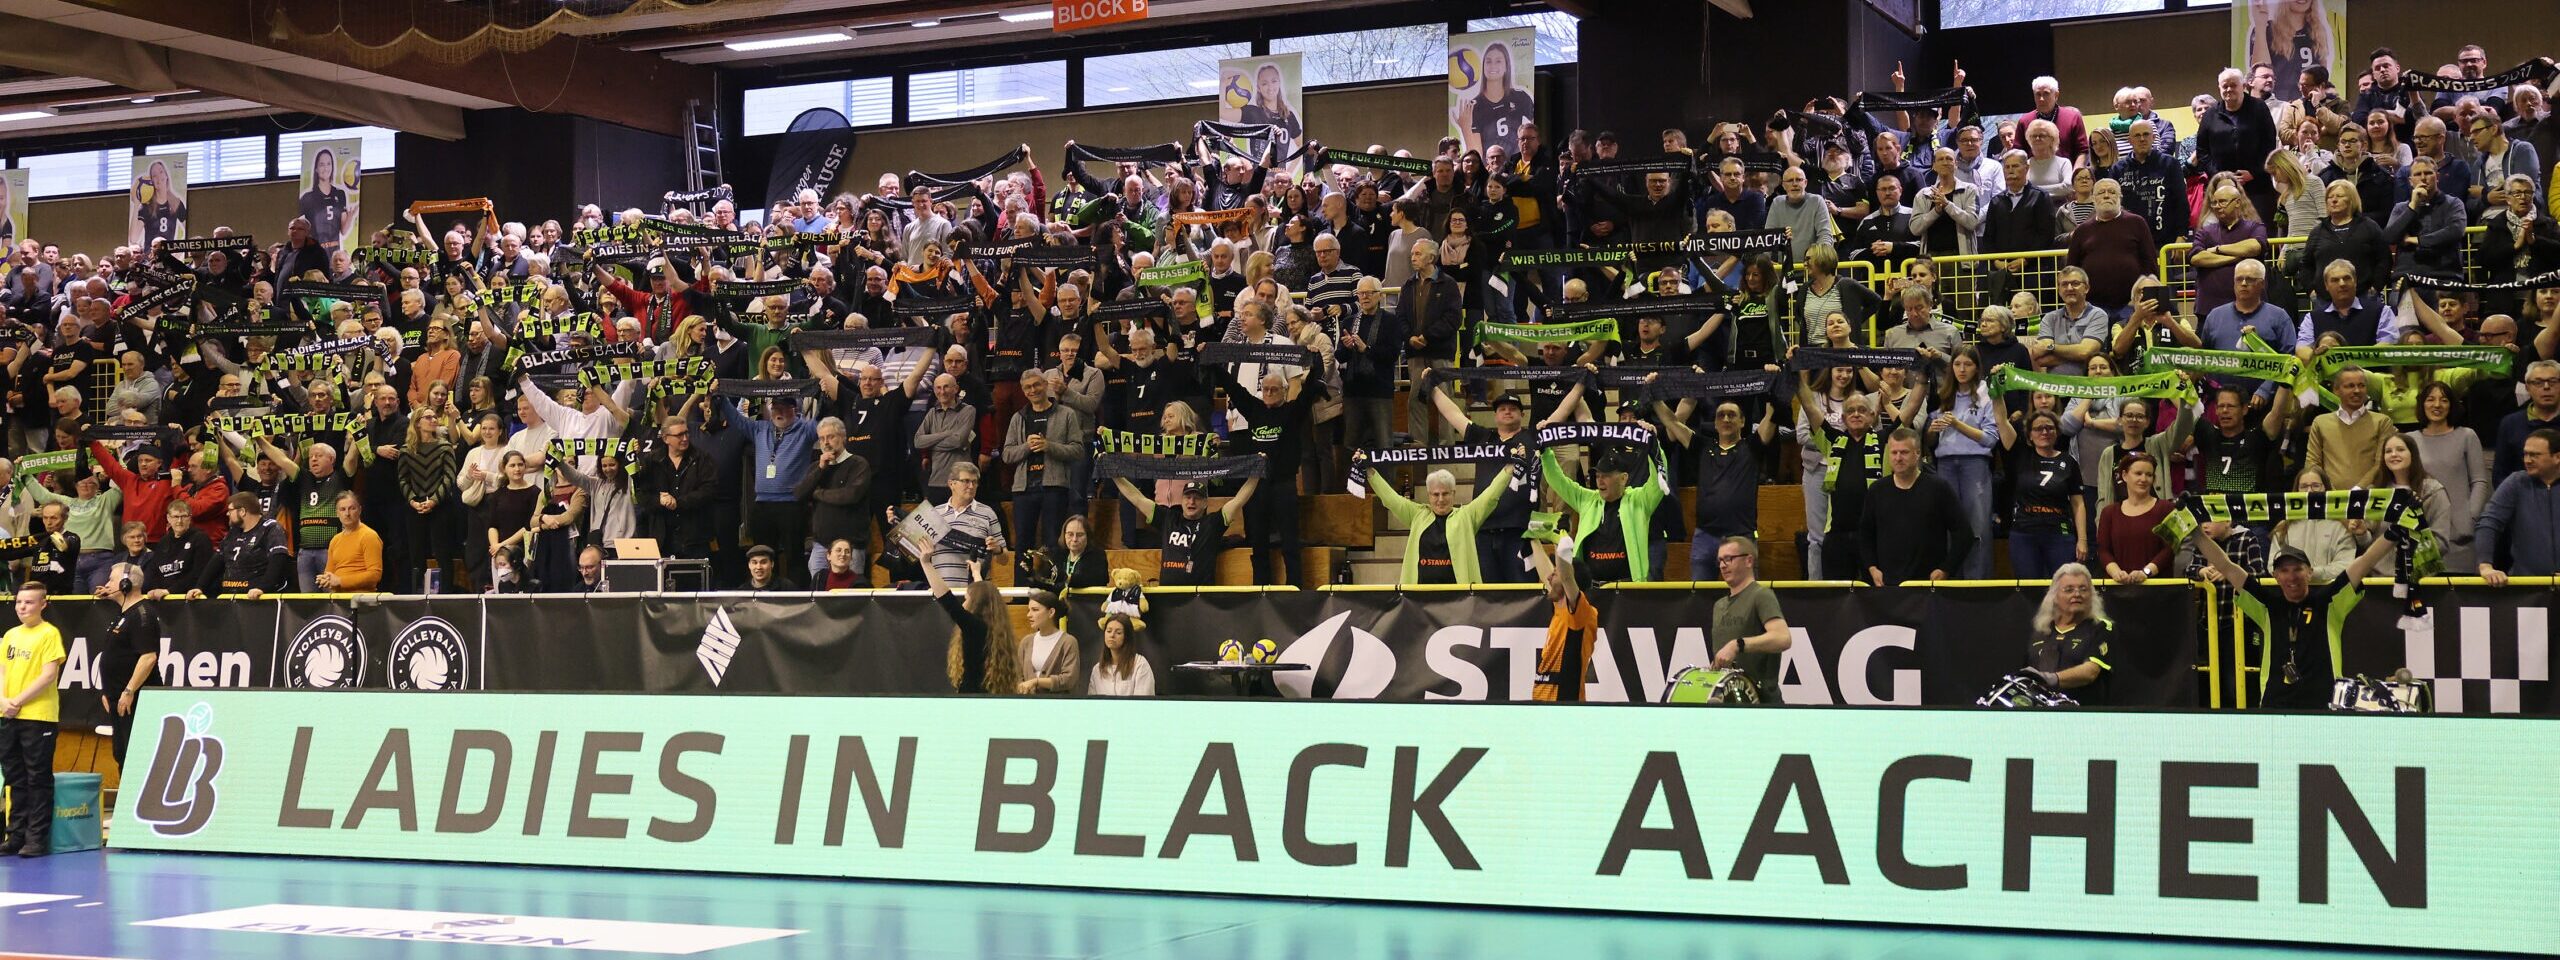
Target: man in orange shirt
<point>1566,659</point>
<point>355,553</point>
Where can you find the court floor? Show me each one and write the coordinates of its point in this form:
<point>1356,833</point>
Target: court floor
<point>148,906</point>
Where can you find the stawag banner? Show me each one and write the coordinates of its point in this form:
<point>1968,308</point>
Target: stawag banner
<point>2357,829</point>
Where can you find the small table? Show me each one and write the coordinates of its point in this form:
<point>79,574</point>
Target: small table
<point>1247,679</point>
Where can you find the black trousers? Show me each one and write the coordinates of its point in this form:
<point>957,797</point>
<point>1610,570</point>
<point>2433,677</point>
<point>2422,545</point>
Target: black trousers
<point>123,727</point>
<point>1271,527</point>
<point>26,764</point>
<point>784,526</point>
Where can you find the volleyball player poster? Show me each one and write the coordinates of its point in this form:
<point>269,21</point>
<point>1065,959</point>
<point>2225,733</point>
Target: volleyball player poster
<point>158,199</point>
<point>1492,87</point>
<point>331,188</point>
<point>1264,91</point>
<point>13,206</point>
<point>2290,35</point>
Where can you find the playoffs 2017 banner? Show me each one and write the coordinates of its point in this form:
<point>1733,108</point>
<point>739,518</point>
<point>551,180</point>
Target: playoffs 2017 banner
<point>2363,830</point>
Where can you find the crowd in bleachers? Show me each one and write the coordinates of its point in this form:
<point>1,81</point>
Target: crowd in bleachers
<point>2367,212</point>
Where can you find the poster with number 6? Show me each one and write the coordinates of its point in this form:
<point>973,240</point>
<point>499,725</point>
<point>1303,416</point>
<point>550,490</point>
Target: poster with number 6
<point>331,188</point>
<point>1492,83</point>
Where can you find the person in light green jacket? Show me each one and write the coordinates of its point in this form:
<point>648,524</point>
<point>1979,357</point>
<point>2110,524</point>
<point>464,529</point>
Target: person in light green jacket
<point>1442,545</point>
<point>1611,552</point>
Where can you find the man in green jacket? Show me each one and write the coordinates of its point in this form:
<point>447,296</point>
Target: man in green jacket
<point>1613,522</point>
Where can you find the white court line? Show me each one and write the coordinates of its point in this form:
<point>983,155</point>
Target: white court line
<point>36,910</point>
<point>8,900</point>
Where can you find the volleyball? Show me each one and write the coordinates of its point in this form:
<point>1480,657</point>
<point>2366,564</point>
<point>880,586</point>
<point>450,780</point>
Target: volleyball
<point>1265,651</point>
<point>347,173</point>
<point>1462,69</point>
<point>1230,651</point>
<point>1237,93</point>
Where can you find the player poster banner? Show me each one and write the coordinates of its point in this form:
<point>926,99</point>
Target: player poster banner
<point>2291,35</point>
<point>13,206</point>
<point>1493,82</point>
<point>331,189</point>
<point>158,200</point>
<point>1262,91</point>
<point>2368,831</point>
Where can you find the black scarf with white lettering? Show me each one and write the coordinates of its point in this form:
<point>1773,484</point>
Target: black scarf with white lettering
<point>916,178</point>
<point>2533,71</point>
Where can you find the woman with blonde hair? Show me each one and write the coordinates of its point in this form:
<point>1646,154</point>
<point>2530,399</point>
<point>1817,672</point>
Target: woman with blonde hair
<point>983,656</point>
<point>2299,195</point>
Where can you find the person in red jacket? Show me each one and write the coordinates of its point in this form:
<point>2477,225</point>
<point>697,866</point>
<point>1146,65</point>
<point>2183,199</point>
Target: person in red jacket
<point>147,491</point>
<point>208,495</point>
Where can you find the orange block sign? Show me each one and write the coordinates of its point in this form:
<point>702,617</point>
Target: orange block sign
<point>1066,15</point>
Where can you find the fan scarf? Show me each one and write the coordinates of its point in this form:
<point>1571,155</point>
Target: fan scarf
<point>2396,512</point>
<point>363,292</point>
<point>1675,383</point>
<point>309,357</point>
<point>973,174</point>
<point>283,424</point>
<point>1269,353</point>
<point>2166,385</point>
<point>180,296</point>
<point>1163,153</point>
<point>230,245</point>
<point>1211,218</point>
<point>1824,358</point>
<point>626,450</point>
<point>2533,71</point>
<point>51,461</point>
<point>745,290</point>
<point>1419,166</point>
<point>682,368</point>
<point>767,389</point>
<point>572,324</point>
<point>864,338</point>
<point>1110,466</point>
<point>923,307</point>
<point>1530,374</point>
<point>1380,458</point>
<point>2547,278</point>
<point>1899,102</point>
<point>1187,273</point>
<point>1107,440</point>
<point>122,434</point>
<point>1636,437</point>
<point>1549,332</point>
<point>1654,306</point>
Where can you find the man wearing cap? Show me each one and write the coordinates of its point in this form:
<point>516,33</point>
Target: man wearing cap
<point>782,445</point>
<point>760,568</point>
<point>146,490</point>
<point>1190,534</point>
<point>1613,520</point>
<point>1500,546</point>
<point>2296,668</point>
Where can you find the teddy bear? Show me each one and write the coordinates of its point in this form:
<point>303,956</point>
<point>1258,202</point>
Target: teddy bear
<point>1128,596</point>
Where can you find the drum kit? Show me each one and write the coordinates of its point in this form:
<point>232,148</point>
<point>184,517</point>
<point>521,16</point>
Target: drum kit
<point>1703,685</point>
<point>2402,693</point>
<point>2024,691</point>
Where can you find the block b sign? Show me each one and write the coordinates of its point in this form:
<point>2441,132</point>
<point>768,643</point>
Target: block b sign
<point>1069,15</point>
<point>2371,831</point>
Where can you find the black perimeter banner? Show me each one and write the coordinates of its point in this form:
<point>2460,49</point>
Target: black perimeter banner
<point>2488,650</point>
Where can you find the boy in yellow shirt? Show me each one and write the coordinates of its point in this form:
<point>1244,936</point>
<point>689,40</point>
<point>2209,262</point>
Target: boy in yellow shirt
<point>30,712</point>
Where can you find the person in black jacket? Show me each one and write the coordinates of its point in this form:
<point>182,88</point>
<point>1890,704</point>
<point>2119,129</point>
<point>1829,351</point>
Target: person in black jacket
<point>1429,310</point>
<point>837,489</point>
<point>1072,563</point>
<point>1913,528</point>
<point>256,559</point>
<point>183,563</point>
<point>1372,340</point>
<point>2235,137</point>
<point>676,488</point>
<point>2020,219</point>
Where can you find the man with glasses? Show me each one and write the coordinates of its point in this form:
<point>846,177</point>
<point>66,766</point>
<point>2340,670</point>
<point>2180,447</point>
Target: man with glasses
<point>1748,630</point>
<point>2524,515</point>
<point>2453,177</point>
<point>1372,341</point>
<point>678,487</point>
<point>2501,158</point>
<point>2541,412</point>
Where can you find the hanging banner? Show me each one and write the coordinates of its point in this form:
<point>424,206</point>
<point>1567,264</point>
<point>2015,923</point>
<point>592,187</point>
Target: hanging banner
<point>2360,831</point>
<point>1492,87</point>
<point>332,178</point>
<point>1263,91</point>
<point>2291,36</point>
<point>1071,15</point>
<point>13,206</point>
<point>157,207</point>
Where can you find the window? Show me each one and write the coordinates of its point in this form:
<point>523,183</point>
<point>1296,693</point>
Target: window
<point>1980,13</point>
<point>88,171</point>
<point>986,91</point>
<point>1559,34</point>
<point>1369,56</point>
<point>868,102</point>
<point>1157,74</point>
<point>379,147</point>
<point>218,161</point>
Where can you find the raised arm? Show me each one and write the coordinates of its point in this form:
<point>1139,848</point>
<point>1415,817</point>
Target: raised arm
<point>1235,507</point>
<point>2364,563</point>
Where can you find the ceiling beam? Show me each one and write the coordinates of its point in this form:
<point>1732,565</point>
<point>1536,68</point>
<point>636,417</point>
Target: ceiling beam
<point>879,14</point>
<point>561,75</point>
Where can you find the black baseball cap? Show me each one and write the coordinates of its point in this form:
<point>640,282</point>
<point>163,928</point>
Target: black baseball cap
<point>2289,553</point>
<point>1196,487</point>
<point>1513,399</point>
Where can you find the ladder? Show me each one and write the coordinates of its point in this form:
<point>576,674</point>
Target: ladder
<point>702,145</point>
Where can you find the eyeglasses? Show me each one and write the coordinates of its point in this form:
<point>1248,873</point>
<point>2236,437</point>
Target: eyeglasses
<point>2542,381</point>
<point>1730,558</point>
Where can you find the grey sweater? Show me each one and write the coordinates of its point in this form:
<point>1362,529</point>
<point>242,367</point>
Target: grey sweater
<point>946,437</point>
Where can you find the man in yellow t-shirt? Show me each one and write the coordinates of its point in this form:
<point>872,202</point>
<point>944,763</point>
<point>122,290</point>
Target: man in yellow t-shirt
<point>30,711</point>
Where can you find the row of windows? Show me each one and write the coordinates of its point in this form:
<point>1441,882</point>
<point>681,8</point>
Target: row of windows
<point>208,161</point>
<point>1367,56</point>
<point>1983,13</point>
